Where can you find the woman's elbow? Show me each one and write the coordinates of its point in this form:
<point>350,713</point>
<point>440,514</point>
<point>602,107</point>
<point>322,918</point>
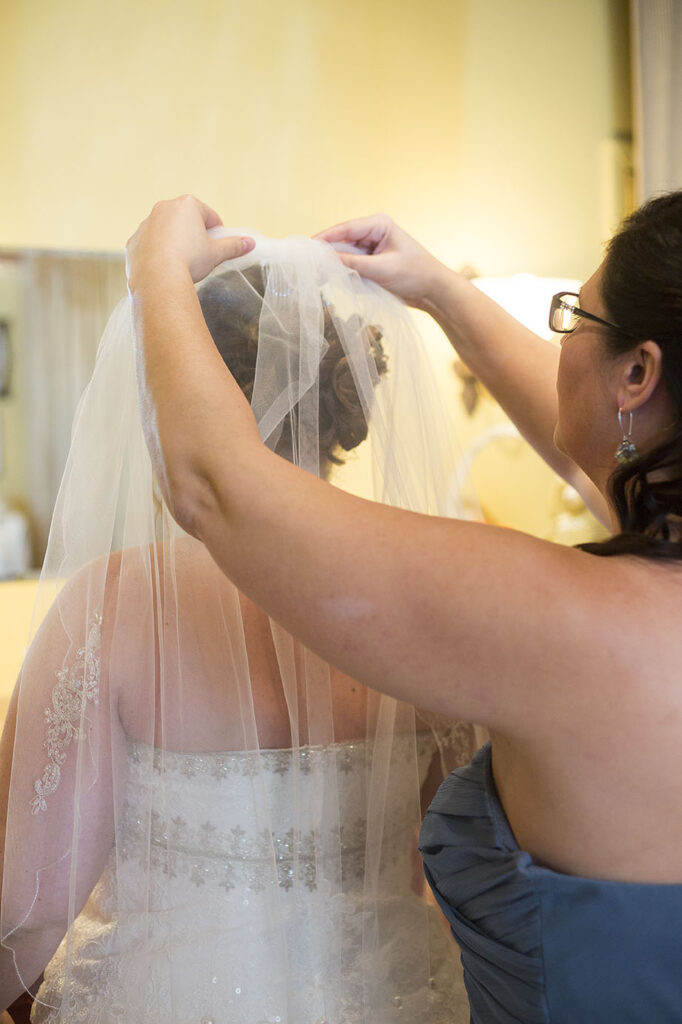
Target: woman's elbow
<point>191,499</point>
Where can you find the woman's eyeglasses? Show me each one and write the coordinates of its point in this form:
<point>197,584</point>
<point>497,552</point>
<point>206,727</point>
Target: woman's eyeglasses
<point>565,314</point>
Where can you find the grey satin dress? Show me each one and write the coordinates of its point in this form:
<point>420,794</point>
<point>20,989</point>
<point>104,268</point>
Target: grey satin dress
<point>539,946</point>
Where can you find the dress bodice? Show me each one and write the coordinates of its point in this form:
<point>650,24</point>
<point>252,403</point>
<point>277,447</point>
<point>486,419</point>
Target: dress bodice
<point>208,833</point>
<point>538,946</point>
<point>220,901</point>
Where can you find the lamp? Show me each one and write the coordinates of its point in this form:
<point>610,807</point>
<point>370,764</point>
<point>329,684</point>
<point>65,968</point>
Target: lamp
<point>527,298</point>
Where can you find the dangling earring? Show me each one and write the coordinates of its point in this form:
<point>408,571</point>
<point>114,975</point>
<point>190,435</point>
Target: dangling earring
<point>626,451</point>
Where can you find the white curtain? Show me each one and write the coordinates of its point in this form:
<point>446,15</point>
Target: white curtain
<point>68,299</point>
<point>657,84</point>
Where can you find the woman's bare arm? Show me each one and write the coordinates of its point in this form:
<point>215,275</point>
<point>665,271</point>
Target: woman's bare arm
<point>459,618</point>
<point>516,366</point>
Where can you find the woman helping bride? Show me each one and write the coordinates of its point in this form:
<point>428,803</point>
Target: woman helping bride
<point>206,823</point>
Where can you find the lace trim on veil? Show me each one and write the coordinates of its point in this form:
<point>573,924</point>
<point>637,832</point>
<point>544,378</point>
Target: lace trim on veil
<point>75,688</point>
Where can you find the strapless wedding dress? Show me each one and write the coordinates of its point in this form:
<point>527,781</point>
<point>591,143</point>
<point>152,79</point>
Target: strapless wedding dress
<point>224,936</point>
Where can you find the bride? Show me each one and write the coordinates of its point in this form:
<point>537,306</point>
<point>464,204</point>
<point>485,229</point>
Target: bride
<point>202,821</point>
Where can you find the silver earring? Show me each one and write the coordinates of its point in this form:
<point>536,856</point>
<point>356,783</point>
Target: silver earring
<point>626,451</point>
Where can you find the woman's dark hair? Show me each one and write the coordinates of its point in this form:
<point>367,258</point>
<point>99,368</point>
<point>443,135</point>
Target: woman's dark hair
<point>641,288</point>
<point>232,304</point>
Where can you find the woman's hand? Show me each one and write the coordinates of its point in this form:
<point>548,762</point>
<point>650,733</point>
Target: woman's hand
<point>388,255</point>
<point>174,235</point>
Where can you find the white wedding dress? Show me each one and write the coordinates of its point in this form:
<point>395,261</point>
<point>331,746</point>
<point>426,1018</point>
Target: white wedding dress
<point>206,853</point>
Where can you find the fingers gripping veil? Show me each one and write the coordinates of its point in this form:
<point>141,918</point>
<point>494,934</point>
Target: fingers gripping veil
<point>204,821</point>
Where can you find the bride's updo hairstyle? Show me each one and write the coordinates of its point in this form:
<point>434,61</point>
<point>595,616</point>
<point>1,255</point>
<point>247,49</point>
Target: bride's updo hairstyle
<point>641,288</point>
<point>232,303</point>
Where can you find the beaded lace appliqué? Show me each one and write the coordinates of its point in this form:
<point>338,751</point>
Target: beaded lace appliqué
<point>204,850</point>
<point>75,687</point>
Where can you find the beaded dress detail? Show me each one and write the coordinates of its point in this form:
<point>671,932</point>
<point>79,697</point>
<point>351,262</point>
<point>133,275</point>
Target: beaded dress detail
<point>204,855</point>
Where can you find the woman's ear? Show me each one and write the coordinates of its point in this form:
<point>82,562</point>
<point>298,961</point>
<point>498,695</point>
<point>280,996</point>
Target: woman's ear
<point>640,373</point>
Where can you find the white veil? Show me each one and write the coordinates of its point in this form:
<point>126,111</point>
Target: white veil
<point>204,822</point>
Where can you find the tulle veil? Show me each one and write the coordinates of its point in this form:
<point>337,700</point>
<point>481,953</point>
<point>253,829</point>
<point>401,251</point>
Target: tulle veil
<point>186,841</point>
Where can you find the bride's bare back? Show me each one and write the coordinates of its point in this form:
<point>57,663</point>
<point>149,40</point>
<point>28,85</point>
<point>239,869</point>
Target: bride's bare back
<point>226,648</point>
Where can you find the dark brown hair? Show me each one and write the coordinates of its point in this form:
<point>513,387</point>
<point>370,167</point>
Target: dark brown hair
<point>641,288</point>
<point>232,304</point>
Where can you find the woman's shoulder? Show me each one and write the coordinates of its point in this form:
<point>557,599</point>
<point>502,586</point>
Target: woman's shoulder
<point>530,622</point>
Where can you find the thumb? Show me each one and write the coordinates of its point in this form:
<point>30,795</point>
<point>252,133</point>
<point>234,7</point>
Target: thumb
<point>363,265</point>
<point>230,248</point>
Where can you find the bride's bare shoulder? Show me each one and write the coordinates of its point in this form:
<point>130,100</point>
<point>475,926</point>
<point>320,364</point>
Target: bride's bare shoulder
<point>133,572</point>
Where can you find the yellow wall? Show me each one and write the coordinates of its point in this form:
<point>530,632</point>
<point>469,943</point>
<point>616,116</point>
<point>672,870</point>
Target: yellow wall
<point>480,124</point>
<point>485,126</point>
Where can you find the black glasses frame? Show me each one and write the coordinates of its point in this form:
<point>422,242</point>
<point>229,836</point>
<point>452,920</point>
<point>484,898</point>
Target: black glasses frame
<point>558,302</point>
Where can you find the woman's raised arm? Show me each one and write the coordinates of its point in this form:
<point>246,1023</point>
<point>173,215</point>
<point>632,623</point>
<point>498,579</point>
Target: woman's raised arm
<point>456,617</point>
<point>516,366</point>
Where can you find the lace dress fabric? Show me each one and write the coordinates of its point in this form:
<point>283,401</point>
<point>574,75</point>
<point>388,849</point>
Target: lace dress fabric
<point>539,946</point>
<point>223,940</point>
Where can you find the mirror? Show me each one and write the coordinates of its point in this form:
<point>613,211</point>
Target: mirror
<point>54,307</point>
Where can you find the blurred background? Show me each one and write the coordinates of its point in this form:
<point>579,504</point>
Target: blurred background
<point>509,136</point>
